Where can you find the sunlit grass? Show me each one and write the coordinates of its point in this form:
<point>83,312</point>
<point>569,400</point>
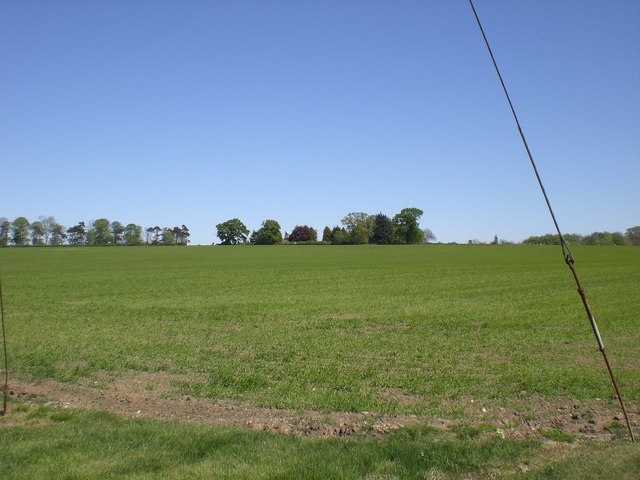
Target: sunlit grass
<point>46,442</point>
<point>381,329</point>
<point>328,328</point>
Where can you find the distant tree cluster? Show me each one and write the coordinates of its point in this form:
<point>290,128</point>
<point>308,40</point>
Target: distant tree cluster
<point>360,228</point>
<point>357,228</point>
<point>47,232</point>
<point>166,235</point>
<point>630,237</point>
<point>302,233</point>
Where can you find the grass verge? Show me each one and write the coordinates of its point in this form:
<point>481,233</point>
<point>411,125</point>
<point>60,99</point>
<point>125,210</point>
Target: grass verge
<point>47,442</point>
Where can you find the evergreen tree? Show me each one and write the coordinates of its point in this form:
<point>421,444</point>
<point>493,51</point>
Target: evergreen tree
<point>77,235</point>
<point>326,234</point>
<point>382,230</point>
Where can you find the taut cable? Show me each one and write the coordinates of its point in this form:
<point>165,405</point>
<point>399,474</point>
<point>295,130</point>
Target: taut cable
<point>566,252</point>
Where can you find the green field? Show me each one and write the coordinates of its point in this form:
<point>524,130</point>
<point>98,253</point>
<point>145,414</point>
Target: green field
<point>485,337</point>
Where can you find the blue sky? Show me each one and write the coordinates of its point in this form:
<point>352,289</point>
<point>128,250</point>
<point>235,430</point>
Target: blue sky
<point>194,112</point>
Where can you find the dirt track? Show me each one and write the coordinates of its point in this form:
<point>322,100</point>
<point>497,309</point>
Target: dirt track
<point>142,394</point>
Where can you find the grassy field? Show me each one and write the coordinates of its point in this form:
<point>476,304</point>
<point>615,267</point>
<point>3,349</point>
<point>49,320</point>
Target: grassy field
<point>452,332</point>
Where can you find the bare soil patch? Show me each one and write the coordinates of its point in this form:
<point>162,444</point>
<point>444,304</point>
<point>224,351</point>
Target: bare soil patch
<point>153,395</point>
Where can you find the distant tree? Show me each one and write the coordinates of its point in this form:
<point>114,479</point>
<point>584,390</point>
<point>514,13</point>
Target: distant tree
<point>326,235</point>
<point>37,233</point>
<point>573,238</point>
<point>406,227</point>
<point>382,233</point>
<point>339,236</point>
<point>77,235</point>
<point>48,222</point>
<point>117,230</point>
<point>157,235</point>
<point>232,232</point>
<point>253,238</point>
<point>548,239</point>
<point>57,234</point>
<point>618,238</point>
<point>100,232</point>
<point>20,232</point>
<point>495,240</point>
<point>269,233</point>
<point>599,238</point>
<point>168,237</point>
<point>148,235</point>
<point>5,230</point>
<point>359,225</point>
<point>303,233</point>
<point>132,235</point>
<point>633,235</point>
<point>184,235</point>
<point>594,238</point>
<point>428,236</point>
<point>177,235</point>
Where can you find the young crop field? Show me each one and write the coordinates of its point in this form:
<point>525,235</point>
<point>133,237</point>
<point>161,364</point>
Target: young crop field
<point>424,361</point>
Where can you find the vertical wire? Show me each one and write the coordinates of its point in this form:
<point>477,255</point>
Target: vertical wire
<point>5,387</point>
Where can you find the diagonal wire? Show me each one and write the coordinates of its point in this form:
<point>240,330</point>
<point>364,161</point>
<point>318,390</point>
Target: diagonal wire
<point>566,252</point>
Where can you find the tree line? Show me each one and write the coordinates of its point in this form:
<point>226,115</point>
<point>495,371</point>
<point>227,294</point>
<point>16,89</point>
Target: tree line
<point>357,228</point>
<point>46,231</point>
<point>630,237</point>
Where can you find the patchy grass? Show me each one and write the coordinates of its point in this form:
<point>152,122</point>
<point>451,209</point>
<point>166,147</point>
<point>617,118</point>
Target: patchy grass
<point>45,442</point>
<point>78,444</point>
<point>401,330</point>
<point>329,328</point>
<point>559,435</point>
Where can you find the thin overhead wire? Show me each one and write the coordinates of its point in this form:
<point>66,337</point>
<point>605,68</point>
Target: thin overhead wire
<point>566,252</point>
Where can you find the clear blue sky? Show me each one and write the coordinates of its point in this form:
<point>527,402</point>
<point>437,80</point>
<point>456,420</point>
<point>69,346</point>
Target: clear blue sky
<point>171,112</point>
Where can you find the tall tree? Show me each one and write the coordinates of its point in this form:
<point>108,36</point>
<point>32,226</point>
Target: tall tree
<point>57,234</point>
<point>359,225</point>
<point>20,232</point>
<point>148,235</point>
<point>77,235</point>
<point>37,233</point>
<point>5,230</point>
<point>100,232</point>
<point>177,235</point>
<point>633,235</point>
<point>232,232</point>
<point>157,235</point>
<point>269,233</point>
<point>326,234</point>
<point>47,222</point>
<point>382,230</point>
<point>168,237</point>
<point>117,229</point>
<point>132,234</point>
<point>406,227</point>
<point>339,236</point>
<point>185,235</point>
